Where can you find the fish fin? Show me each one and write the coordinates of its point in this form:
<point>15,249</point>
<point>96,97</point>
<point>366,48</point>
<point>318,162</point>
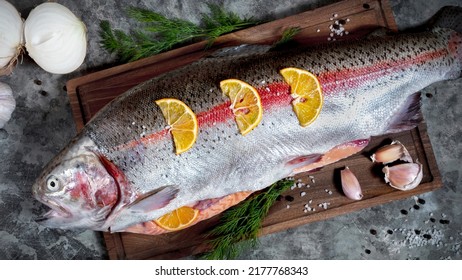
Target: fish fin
<point>447,17</point>
<point>408,117</point>
<point>302,161</point>
<point>153,200</point>
<point>241,50</point>
<point>335,154</point>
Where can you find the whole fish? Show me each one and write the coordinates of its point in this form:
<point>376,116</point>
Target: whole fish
<point>122,171</point>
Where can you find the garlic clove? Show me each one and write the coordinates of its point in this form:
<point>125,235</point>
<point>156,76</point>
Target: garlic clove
<point>390,153</point>
<point>55,38</point>
<point>11,36</point>
<point>350,184</point>
<point>404,176</point>
<point>7,103</point>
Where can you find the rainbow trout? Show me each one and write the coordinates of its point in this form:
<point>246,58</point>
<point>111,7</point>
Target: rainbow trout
<point>122,170</point>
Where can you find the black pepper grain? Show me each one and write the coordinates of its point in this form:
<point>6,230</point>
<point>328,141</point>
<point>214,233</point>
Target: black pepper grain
<point>367,251</point>
<point>421,201</point>
<point>289,198</point>
<point>432,220</point>
<point>427,236</point>
<point>389,231</point>
<point>404,212</point>
<point>416,207</point>
<point>373,231</point>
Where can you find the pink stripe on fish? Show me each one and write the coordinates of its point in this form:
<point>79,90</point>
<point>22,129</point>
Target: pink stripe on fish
<point>341,80</point>
<point>278,94</point>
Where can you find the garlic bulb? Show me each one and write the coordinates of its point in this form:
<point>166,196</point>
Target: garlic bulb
<point>55,38</point>
<point>391,153</point>
<point>404,176</point>
<point>11,36</point>
<point>7,103</point>
<point>350,184</point>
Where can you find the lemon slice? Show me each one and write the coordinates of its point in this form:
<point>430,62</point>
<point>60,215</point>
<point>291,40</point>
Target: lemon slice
<point>182,123</point>
<point>307,94</point>
<point>178,219</point>
<point>245,103</point>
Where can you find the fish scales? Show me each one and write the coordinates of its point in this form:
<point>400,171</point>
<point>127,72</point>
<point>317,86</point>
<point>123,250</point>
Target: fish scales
<point>365,83</point>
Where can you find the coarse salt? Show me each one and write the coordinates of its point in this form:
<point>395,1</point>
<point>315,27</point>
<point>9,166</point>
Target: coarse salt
<point>302,194</point>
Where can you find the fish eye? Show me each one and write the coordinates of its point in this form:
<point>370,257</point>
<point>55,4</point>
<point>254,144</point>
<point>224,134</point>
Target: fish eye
<point>53,184</point>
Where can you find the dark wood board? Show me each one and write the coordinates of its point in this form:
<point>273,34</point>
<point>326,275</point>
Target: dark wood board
<point>91,92</point>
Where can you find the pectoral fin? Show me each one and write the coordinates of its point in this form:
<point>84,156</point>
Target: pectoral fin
<point>302,161</point>
<point>153,200</point>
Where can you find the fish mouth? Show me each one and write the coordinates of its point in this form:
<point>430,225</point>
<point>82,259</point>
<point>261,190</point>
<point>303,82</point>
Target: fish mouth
<point>55,211</point>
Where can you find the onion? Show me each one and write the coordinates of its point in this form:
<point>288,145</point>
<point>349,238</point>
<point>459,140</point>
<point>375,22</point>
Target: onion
<point>55,38</point>
<point>7,103</point>
<point>11,36</point>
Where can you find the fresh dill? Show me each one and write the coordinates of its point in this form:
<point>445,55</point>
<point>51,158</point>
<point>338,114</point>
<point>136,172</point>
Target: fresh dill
<point>239,226</point>
<point>160,34</point>
<point>287,36</point>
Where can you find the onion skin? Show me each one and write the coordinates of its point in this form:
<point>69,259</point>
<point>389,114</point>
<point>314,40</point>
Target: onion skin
<point>11,36</point>
<point>55,38</point>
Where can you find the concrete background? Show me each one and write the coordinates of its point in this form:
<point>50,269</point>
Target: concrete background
<point>42,124</point>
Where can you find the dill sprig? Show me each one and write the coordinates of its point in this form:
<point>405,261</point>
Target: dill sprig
<point>239,226</point>
<point>160,34</point>
<point>287,36</point>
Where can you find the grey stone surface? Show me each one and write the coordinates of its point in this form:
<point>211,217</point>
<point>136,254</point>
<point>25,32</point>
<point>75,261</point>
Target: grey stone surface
<point>42,124</point>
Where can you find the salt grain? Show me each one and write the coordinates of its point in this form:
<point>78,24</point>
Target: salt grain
<point>302,194</point>
<point>330,192</point>
<point>335,15</point>
<point>318,30</point>
<point>288,206</point>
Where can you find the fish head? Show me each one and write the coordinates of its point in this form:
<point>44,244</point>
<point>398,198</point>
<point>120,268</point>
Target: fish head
<point>78,189</point>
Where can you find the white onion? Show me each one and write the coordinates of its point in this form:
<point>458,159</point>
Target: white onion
<point>11,36</point>
<point>55,38</point>
<point>7,103</point>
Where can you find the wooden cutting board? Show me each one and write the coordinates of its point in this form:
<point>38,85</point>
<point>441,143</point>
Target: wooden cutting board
<point>90,93</point>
